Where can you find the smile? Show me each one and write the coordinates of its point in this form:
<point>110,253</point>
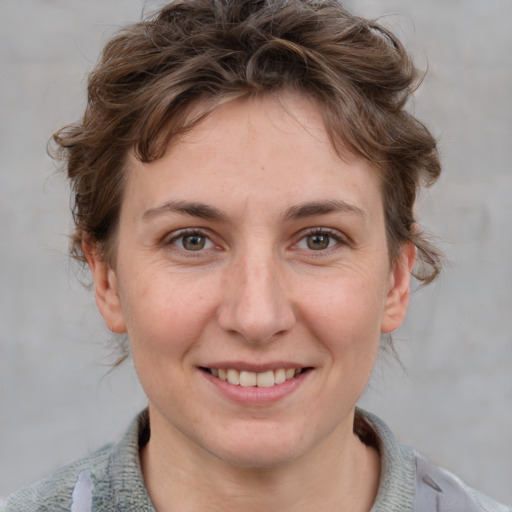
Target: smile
<point>247,379</point>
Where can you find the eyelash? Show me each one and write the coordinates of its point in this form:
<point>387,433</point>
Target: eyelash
<point>333,235</point>
<point>184,233</point>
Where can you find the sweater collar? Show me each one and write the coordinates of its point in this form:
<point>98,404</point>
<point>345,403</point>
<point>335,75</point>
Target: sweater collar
<point>398,467</point>
<point>397,478</point>
<point>126,482</point>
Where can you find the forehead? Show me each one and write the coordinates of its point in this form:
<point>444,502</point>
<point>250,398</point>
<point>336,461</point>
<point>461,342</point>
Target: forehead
<point>274,146</point>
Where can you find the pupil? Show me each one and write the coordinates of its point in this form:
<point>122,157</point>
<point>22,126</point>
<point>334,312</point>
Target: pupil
<point>318,242</point>
<point>194,242</point>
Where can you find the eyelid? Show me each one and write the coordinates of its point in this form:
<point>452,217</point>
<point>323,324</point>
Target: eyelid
<point>181,233</point>
<point>338,236</point>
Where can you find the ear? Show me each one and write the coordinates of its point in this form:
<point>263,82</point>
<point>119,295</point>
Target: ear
<point>105,289</point>
<point>399,289</point>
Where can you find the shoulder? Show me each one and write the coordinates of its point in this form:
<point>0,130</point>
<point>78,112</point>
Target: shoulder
<point>411,483</point>
<point>55,492</point>
<point>109,479</point>
<point>440,490</point>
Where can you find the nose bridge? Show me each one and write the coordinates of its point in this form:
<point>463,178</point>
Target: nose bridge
<point>256,303</point>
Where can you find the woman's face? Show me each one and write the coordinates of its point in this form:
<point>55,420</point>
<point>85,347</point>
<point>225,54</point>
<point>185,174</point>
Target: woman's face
<point>251,249</point>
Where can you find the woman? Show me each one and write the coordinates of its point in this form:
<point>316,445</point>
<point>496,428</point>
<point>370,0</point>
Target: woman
<point>244,180</point>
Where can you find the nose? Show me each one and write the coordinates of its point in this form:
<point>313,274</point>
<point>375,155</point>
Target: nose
<point>256,304</point>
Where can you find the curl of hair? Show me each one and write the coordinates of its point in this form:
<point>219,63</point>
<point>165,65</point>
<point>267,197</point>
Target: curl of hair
<point>205,52</point>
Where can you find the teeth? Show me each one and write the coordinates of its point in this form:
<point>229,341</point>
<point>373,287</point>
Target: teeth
<point>248,379</point>
<point>265,379</point>
<point>279,376</point>
<point>234,377</point>
<point>251,379</point>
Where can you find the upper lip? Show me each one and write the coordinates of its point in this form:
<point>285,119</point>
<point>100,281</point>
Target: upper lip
<point>252,367</point>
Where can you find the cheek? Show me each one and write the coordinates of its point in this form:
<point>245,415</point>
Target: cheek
<point>345,312</point>
<point>164,314</point>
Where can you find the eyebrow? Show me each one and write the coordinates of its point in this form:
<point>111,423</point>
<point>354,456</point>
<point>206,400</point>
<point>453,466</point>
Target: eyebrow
<point>193,209</point>
<point>324,207</point>
<point>295,212</point>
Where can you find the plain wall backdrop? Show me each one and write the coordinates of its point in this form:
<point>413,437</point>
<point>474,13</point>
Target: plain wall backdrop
<point>453,400</point>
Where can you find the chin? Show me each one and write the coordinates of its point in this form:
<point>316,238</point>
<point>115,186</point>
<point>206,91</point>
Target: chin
<point>256,451</point>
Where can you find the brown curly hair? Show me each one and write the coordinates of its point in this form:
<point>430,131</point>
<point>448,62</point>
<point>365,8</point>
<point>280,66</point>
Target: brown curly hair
<point>206,52</point>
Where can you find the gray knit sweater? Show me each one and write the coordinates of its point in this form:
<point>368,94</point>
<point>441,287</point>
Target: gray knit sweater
<point>110,479</point>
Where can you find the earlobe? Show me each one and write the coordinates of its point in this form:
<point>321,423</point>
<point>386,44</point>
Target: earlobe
<point>399,290</point>
<point>105,289</point>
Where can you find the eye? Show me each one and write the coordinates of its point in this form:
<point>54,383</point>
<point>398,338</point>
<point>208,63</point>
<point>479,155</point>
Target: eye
<point>192,241</point>
<point>319,240</point>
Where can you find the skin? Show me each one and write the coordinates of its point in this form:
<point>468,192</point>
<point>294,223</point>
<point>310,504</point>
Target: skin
<point>289,266</point>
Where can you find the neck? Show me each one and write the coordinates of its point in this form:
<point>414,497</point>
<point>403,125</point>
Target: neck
<point>340,474</point>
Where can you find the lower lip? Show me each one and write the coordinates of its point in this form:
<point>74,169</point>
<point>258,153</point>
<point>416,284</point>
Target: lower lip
<point>254,395</point>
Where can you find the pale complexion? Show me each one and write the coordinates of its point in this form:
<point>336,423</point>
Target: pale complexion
<point>252,246</point>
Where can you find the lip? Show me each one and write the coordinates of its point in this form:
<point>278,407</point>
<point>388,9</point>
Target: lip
<point>257,395</point>
<point>252,367</point>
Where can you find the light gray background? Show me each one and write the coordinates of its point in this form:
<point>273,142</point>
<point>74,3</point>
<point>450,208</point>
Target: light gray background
<point>453,401</point>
